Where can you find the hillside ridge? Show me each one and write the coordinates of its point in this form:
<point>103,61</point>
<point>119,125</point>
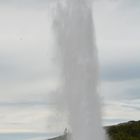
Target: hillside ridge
<point>124,131</point>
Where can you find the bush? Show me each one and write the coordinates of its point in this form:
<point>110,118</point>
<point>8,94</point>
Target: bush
<point>125,131</point>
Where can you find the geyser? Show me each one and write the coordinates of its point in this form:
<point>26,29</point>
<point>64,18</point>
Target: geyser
<point>73,25</point>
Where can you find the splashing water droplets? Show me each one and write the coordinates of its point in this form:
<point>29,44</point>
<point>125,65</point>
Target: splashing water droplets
<point>73,26</point>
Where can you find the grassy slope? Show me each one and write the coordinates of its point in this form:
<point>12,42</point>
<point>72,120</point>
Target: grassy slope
<point>125,131</point>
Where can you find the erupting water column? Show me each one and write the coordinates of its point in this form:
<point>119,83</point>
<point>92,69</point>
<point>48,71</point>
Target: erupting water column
<point>76,44</point>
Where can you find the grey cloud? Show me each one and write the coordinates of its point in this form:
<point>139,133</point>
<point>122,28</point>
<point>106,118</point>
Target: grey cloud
<point>129,94</point>
<point>30,103</point>
<point>123,111</point>
<point>132,93</point>
<point>121,90</point>
<point>131,107</point>
<point>124,104</point>
<point>120,72</point>
<point>26,3</point>
<point>130,3</point>
<point>23,2</point>
<point>13,68</point>
<point>7,68</point>
<point>109,121</point>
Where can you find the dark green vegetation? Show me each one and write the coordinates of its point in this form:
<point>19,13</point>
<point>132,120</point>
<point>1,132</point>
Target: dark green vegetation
<point>125,131</point>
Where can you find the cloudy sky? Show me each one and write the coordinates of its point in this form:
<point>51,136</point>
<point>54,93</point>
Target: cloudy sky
<point>117,24</point>
<point>29,75</point>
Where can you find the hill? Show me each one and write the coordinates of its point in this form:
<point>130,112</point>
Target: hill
<point>124,131</point>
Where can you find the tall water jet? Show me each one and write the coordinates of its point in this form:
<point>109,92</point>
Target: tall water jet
<point>78,56</point>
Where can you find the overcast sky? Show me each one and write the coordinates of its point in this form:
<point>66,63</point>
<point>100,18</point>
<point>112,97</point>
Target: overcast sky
<point>28,71</point>
<point>117,25</point>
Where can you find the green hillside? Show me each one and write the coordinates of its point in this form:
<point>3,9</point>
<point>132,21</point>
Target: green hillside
<point>125,131</point>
